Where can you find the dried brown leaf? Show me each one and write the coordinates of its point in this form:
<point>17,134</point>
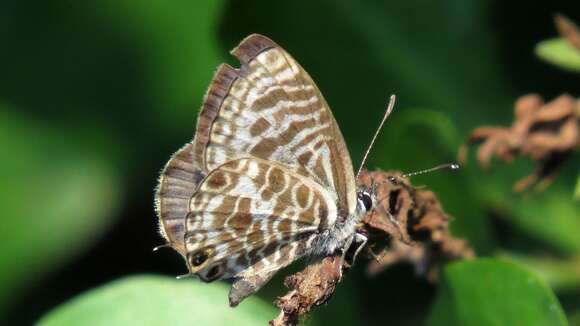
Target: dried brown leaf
<point>415,224</point>
<point>545,132</point>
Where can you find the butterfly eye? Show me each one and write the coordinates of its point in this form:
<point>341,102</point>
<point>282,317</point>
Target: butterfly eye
<point>198,258</point>
<point>366,200</point>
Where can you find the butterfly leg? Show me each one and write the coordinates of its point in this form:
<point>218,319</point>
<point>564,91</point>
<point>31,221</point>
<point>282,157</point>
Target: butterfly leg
<point>360,242</point>
<point>357,241</point>
<point>345,250</point>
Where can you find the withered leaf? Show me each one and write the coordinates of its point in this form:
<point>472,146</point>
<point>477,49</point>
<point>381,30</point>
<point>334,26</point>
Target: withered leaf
<point>545,132</point>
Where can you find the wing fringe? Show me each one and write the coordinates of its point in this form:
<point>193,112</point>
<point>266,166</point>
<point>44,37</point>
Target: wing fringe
<point>177,183</point>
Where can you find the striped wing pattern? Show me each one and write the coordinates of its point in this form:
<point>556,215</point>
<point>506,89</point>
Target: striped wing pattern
<point>267,171</point>
<point>177,183</point>
<point>270,108</point>
<point>250,215</point>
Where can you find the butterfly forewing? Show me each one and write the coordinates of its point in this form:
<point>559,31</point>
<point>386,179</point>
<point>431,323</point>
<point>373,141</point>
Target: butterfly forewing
<point>270,108</point>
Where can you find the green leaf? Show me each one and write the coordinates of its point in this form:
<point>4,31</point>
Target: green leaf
<point>57,198</point>
<point>560,273</point>
<point>156,300</point>
<point>550,216</point>
<point>491,292</point>
<point>559,52</point>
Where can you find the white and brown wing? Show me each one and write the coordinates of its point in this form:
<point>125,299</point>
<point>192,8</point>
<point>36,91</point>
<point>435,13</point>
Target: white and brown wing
<point>276,171</point>
<point>252,216</point>
<point>177,183</point>
<point>271,109</point>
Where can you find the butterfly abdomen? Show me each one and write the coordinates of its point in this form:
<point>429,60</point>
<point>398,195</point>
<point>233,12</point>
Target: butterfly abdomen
<point>334,238</point>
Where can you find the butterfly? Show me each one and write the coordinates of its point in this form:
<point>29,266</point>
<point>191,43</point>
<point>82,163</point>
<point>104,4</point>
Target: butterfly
<point>267,178</point>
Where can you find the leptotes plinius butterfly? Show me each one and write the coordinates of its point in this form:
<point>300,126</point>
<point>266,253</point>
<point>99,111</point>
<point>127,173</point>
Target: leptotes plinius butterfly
<point>267,178</point>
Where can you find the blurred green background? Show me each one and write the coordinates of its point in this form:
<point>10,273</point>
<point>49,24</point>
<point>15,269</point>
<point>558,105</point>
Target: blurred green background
<point>95,97</point>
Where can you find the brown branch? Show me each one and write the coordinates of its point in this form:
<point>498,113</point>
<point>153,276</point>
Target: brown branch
<point>310,288</point>
<point>413,223</point>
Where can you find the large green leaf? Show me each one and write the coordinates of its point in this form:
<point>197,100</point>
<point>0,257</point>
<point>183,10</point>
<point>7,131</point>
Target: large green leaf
<point>57,198</point>
<point>562,274</point>
<point>157,300</point>
<point>491,292</point>
<point>559,52</point>
<point>551,216</point>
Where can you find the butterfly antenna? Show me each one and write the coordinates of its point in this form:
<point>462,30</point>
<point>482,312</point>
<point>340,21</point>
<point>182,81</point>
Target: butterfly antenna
<point>450,166</point>
<point>181,277</point>
<point>167,245</point>
<point>387,113</point>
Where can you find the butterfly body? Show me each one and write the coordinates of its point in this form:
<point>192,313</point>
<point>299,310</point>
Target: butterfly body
<point>267,178</point>
<point>337,237</point>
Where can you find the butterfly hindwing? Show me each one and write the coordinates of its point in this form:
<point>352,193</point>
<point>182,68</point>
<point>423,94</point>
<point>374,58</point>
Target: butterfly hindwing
<point>251,215</point>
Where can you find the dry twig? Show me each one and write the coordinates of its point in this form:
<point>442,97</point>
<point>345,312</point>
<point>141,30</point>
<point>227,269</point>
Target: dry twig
<point>310,288</point>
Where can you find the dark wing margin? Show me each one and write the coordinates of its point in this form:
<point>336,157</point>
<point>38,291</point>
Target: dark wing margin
<point>251,47</point>
<point>219,89</point>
